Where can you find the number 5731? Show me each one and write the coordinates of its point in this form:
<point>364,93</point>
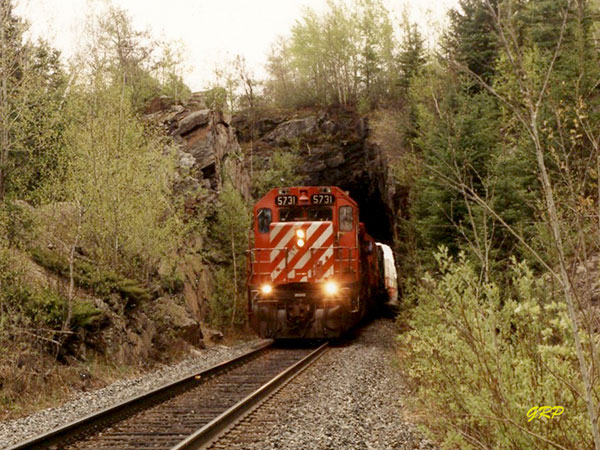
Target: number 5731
<point>549,412</point>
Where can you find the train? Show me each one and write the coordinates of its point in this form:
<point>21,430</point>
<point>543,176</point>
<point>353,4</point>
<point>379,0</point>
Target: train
<point>313,270</point>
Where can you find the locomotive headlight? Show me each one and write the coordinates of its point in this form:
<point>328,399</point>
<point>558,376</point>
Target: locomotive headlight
<point>300,234</point>
<point>331,288</point>
<point>266,289</point>
<point>300,242</point>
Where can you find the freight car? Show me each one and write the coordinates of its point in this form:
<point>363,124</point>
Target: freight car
<point>313,270</point>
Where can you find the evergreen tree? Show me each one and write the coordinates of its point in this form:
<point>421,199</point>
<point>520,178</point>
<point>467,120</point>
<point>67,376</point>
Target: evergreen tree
<point>471,39</point>
<point>412,55</point>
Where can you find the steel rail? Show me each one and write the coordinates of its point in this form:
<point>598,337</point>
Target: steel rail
<point>218,426</point>
<point>58,436</point>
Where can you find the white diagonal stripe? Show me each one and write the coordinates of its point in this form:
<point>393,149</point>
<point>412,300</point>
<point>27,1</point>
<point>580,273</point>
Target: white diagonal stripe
<point>329,272</point>
<point>282,244</point>
<point>277,227</point>
<point>311,229</point>
<point>278,270</point>
<point>318,243</point>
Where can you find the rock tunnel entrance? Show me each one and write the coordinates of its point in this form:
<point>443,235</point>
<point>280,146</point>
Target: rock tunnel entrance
<point>365,179</point>
<point>373,212</point>
<point>336,150</point>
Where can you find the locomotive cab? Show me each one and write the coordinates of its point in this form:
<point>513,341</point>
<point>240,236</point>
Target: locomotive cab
<point>307,274</point>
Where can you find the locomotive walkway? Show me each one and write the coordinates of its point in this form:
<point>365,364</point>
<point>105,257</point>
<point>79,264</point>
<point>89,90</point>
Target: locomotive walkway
<point>189,413</point>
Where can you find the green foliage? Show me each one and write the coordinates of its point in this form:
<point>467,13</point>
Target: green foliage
<point>49,309</point>
<point>120,177</point>
<point>134,60</point>
<point>471,39</point>
<point>17,224</point>
<point>31,100</point>
<point>24,304</point>
<point>216,98</point>
<point>339,57</point>
<point>282,171</point>
<point>36,157</point>
<point>463,151</point>
<point>412,56</point>
<point>101,282</point>
<point>173,283</point>
<point>221,303</point>
<point>229,234</point>
<point>482,355</point>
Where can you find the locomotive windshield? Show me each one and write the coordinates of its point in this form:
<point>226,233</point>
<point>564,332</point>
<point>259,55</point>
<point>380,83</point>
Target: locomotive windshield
<point>305,214</point>
<point>264,220</point>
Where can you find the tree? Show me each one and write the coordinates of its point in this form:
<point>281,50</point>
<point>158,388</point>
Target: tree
<point>120,176</point>
<point>412,54</point>
<point>340,57</point>
<point>527,70</point>
<point>471,38</point>
<point>41,156</point>
<point>249,101</point>
<point>16,77</point>
<point>377,46</point>
<point>281,171</point>
<point>120,168</point>
<point>130,58</point>
<point>231,233</point>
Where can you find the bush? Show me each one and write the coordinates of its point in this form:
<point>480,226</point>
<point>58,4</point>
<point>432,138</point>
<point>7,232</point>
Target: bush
<point>17,224</point>
<point>88,276</point>
<point>48,308</point>
<point>25,305</point>
<point>481,356</point>
<point>221,304</point>
<point>282,171</point>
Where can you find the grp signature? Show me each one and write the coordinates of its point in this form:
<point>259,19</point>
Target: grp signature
<point>549,412</point>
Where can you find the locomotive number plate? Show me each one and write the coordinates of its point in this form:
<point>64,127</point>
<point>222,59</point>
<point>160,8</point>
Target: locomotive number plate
<point>322,199</point>
<point>286,200</point>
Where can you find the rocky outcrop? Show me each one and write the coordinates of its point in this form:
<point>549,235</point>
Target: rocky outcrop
<point>175,318</point>
<point>124,338</point>
<point>208,155</point>
<point>294,129</point>
<point>208,152</point>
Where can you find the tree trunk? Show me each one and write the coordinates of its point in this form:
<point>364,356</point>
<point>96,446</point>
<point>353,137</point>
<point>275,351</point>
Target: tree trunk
<point>235,286</point>
<point>586,374</point>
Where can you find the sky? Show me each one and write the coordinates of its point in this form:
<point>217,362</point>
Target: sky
<point>211,32</point>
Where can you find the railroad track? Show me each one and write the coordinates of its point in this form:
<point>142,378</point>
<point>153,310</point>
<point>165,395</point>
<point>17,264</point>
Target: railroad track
<point>190,413</point>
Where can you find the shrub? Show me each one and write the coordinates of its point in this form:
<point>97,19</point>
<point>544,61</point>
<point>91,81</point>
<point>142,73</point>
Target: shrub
<point>17,224</point>
<point>101,282</point>
<point>481,356</point>
<point>221,302</point>
<point>282,171</point>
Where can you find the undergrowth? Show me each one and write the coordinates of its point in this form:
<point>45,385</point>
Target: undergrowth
<point>35,333</point>
<point>481,355</point>
<point>101,282</point>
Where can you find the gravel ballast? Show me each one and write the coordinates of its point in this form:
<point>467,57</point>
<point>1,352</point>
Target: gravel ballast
<point>351,398</point>
<point>14,431</point>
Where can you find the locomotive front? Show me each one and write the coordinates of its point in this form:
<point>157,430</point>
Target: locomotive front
<point>304,268</point>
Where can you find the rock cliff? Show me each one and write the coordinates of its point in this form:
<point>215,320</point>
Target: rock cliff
<point>208,154</point>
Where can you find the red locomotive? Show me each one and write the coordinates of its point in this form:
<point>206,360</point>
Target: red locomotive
<point>313,271</point>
